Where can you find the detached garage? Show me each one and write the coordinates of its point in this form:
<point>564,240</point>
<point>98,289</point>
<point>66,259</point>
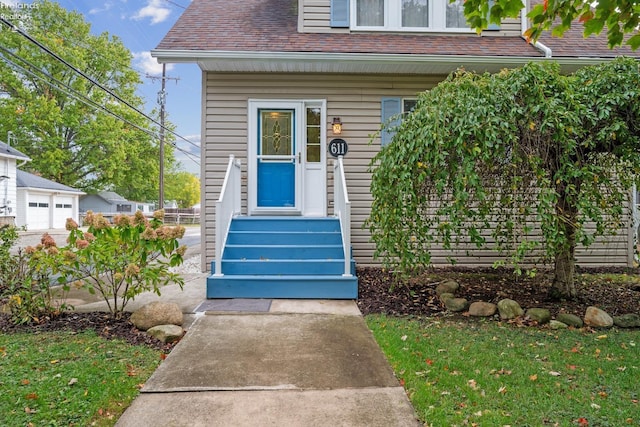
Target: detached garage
<point>43,204</point>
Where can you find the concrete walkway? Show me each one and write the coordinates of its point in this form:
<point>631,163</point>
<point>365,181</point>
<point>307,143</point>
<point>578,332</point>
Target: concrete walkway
<point>267,363</point>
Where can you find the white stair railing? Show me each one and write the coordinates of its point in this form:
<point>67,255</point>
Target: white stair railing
<point>227,206</point>
<point>342,209</point>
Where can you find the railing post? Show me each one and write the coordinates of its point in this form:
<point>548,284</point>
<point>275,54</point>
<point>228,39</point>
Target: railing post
<point>227,206</point>
<point>342,209</point>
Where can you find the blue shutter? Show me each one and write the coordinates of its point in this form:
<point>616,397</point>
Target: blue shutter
<point>340,13</point>
<point>491,26</point>
<point>390,116</point>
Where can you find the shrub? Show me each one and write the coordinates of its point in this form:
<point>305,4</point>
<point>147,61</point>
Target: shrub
<point>27,277</point>
<point>8,237</point>
<point>122,259</point>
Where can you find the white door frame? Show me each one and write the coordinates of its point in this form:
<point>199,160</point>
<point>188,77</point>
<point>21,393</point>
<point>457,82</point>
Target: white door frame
<point>310,178</point>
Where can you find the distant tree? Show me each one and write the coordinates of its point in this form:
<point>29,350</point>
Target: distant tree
<point>483,158</point>
<point>620,17</point>
<point>45,104</point>
<point>183,187</point>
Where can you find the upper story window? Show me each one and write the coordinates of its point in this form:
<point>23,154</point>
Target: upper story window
<point>409,15</point>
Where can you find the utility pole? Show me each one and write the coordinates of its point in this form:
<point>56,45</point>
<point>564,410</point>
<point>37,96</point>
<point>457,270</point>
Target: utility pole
<point>162,99</point>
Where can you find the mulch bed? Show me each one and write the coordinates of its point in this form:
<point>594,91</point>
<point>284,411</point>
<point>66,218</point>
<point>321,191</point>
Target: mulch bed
<point>382,292</point>
<point>102,323</point>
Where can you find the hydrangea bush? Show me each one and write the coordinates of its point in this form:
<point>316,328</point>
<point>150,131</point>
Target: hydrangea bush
<point>122,259</point>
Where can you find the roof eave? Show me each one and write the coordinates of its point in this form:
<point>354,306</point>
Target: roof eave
<point>51,190</point>
<point>257,61</point>
<point>15,157</point>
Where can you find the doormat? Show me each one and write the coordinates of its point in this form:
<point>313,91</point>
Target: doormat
<point>235,304</point>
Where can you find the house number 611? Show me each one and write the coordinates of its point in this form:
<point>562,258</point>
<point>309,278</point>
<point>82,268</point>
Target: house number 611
<point>338,147</point>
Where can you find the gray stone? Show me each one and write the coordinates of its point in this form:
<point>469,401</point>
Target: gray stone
<point>456,304</point>
<point>540,315</point>
<point>482,309</point>
<point>509,309</point>
<point>446,295</point>
<point>166,333</point>
<point>597,318</point>
<point>450,287</point>
<point>555,324</point>
<point>157,313</point>
<point>570,320</point>
<point>627,321</point>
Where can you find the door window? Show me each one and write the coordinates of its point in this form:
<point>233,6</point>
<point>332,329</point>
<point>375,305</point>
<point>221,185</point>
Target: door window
<point>314,115</point>
<point>277,129</point>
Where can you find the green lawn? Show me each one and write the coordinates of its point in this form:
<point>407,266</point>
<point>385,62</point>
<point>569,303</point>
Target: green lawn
<point>69,379</point>
<point>484,373</point>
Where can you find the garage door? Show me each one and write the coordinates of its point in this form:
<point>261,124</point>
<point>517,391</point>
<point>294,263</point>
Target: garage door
<point>62,210</point>
<point>38,212</point>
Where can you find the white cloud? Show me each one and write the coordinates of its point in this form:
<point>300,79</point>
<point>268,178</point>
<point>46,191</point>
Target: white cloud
<point>105,7</point>
<point>148,64</point>
<point>153,10</point>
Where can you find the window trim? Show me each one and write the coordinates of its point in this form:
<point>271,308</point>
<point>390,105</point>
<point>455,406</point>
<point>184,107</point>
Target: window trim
<point>392,111</point>
<point>393,15</point>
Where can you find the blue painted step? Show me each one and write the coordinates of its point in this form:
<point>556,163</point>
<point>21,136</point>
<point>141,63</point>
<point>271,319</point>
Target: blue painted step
<point>283,257</point>
<point>254,223</point>
<point>247,237</point>
<point>295,287</point>
<point>282,267</point>
<point>267,252</point>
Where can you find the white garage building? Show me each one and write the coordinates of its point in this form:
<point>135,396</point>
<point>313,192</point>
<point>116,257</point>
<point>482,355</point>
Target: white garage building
<point>42,204</point>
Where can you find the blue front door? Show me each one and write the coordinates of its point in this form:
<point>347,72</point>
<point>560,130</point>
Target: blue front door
<point>276,186</point>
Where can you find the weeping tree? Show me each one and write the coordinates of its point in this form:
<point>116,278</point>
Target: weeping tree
<point>529,162</point>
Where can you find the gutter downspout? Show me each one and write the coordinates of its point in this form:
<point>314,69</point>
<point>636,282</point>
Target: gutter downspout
<point>524,24</point>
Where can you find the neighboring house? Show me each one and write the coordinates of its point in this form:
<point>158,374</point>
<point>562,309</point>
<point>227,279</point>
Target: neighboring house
<point>43,204</point>
<point>9,157</point>
<point>109,204</point>
<point>277,74</point>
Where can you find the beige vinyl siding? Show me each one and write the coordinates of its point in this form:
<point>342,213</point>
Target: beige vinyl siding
<point>353,98</point>
<point>314,17</point>
<point>356,99</point>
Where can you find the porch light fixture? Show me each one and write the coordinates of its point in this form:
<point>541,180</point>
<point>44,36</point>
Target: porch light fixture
<point>337,126</point>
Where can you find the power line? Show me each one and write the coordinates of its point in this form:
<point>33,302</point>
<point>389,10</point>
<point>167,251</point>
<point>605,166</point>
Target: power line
<point>90,79</point>
<point>82,98</point>
<point>175,4</point>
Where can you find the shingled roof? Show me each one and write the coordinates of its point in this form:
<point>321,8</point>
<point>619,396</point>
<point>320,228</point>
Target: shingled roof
<point>8,151</point>
<point>29,180</point>
<point>271,25</point>
<point>262,35</point>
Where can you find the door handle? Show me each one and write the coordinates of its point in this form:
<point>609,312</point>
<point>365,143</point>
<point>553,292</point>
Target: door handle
<point>299,157</point>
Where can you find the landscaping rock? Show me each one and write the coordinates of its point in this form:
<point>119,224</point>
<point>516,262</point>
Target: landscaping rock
<point>555,324</point>
<point>627,321</point>
<point>166,333</point>
<point>157,313</point>
<point>446,295</point>
<point>597,318</point>
<point>482,309</point>
<point>570,319</point>
<point>450,287</point>
<point>509,309</point>
<point>540,315</point>
<point>456,304</point>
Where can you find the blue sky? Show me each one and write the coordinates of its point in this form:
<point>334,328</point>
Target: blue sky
<point>141,24</point>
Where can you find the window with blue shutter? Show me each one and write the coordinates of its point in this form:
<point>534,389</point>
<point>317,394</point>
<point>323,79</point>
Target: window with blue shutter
<point>390,111</point>
<point>340,13</point>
